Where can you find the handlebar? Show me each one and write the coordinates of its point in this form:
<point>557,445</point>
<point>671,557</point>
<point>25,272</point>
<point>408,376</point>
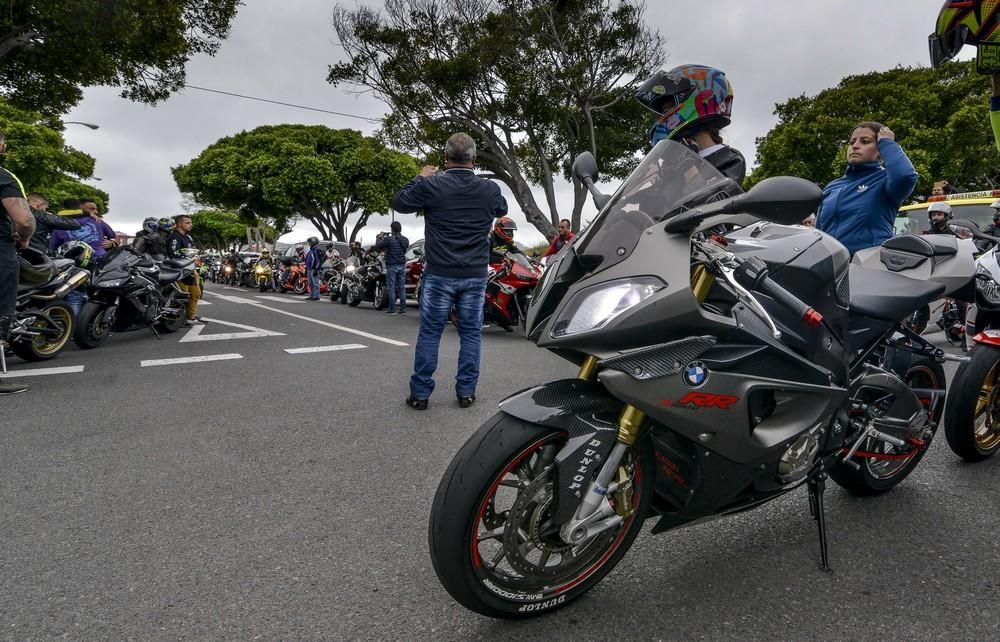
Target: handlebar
<point>752,273</point>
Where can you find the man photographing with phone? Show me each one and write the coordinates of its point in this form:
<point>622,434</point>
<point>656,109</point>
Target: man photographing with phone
<point>459,209</point>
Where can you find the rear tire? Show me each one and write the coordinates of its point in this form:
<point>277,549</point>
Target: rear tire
<point>381,298</point>
<point>974,399</point>
<point>90,331</point>
<point>44,348</point>
<point>878,476</point>
<point>469,498</point>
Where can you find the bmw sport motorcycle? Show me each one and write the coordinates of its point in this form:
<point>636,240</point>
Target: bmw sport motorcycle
<point>43,322</point>
<point>129,291</point>
<point>717,370</point>
<point>972,414</point>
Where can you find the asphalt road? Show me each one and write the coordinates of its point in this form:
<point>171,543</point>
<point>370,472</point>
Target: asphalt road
<point>280,495</point>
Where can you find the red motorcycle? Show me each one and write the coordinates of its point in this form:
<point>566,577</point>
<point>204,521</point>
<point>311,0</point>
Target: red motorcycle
<point>508,290</point>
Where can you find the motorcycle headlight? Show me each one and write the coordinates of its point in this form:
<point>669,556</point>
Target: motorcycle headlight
<point>595,307</point>
<point>259,269</point>
<point>987,287</point>
<point>350,268</point>
<point>229,268</point>
<point>113,283</point>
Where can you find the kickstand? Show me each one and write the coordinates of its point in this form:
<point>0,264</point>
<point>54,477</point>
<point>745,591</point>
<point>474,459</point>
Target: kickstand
<point>153,328</point>
<point>817,486</point>
<point>3,356</point>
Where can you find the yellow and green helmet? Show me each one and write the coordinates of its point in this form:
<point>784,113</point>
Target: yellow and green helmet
<point>964,22</point>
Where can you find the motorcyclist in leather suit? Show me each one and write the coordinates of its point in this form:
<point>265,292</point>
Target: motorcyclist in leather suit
<point>502,239</point>
<point>150,240</point>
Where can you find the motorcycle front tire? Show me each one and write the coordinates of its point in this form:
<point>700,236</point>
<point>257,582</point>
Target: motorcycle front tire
<point>499,446</point>
<point>90,332</point>
<point>967,402</point>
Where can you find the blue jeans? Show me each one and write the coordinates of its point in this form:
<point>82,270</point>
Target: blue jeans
<point>395,280</point>
<point>75,299</point>
<point>438,296</point>
<point>314,279</point>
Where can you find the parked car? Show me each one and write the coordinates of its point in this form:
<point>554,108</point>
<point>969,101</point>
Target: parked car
<point>972,206</point>
<point>414,267</point>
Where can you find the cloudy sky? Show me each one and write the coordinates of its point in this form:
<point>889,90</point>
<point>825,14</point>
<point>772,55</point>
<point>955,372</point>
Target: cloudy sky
<point>770,49</point>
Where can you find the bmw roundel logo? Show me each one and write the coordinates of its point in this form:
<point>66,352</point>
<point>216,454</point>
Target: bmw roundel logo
<point>695,374</point>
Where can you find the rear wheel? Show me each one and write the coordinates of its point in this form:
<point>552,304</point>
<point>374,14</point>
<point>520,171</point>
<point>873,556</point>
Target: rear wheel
<point>52,337</point>
<point>493,541</point>
<point>380,299</point>
<point>300,286</point>
<point>889,465</point>
<point>972,419</point>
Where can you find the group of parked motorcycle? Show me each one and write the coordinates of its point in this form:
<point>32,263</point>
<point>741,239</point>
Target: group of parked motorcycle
<point>124,291</point>
<point>726,356</point>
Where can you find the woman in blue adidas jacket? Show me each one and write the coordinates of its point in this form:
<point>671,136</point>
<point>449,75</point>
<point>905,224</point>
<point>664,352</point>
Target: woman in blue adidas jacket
<point>860,207</point>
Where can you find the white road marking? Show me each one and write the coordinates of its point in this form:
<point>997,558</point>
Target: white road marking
<point>346,346</point>
<point>204,302</point>
<point>38,372</point>
<point>208,357</point>
<point>367,335</point>
<point>194,334</point>
<point>280,299</point>
<point>226,287</point>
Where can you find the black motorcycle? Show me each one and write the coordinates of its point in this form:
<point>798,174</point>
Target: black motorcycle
<point>43,324</point>
<point>364,280</point>
<point>718,370</point>
<point>333,274</point>
<point>129,291</point>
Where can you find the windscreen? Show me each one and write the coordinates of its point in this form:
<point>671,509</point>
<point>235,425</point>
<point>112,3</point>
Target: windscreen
<point>670,180</point>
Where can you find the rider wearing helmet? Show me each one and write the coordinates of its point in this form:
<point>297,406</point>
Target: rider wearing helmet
<point>502,239</point>
<point>150,240</point>
<point>694,103</point>
<point>314,267</point>
<point>938,215</point>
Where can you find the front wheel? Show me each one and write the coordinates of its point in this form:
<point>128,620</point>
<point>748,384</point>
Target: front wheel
<point>381,298</point>
<point>92,327</point>
<point>972,419</point>
<point>52,337</point>
<point>300,286</point>
<point>493,541</point>
<point>881,466</point>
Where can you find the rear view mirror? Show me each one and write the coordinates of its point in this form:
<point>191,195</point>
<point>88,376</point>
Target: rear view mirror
<point>585,171</point>
<point>418,252</point>
<point>785,200</point>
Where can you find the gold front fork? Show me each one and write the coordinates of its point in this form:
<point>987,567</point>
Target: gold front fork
<point>587,369</point>
<point>629,423</point>
<point>701,282</point>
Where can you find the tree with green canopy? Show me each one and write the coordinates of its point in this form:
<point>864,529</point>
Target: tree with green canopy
<point>51,49</point>
<point>535,82</point>
<point>41,159</point>
<point>940,117</point>
<point>276,173</point>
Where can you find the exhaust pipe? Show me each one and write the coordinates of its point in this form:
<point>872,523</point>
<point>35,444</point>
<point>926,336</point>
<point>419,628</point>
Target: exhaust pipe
<point>77,279</point>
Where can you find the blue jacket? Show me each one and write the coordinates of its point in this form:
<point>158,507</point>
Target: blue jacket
<point>459,210</point>
<point>859,208</point>
<point>394,246</point>
<point>315,258</point>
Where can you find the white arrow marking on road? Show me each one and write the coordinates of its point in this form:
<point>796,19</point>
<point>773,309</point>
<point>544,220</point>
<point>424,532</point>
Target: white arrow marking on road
<point>194,334</point>
<point>346,346</point>
<point>38,372</point>
<point>367,335</point>
<point>278,298</point>
<point>207,357</point>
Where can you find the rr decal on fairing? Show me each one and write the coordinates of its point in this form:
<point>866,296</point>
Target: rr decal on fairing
<point>699,400</point>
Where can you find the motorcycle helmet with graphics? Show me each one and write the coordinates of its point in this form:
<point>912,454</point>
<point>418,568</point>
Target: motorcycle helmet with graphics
<point>504,229</point>
<point>166,224</point>
<point>35,268</point>
<point>78,251</point>
<point>150,224</point>
<point>960,23</point>
<point>686,97</point>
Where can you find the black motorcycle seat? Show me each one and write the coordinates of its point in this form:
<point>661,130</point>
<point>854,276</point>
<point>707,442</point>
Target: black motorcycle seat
<point>888,296</point>
<point>909,251</point>
<point>167,275</point>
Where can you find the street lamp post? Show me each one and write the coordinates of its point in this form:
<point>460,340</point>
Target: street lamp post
<point>76,122</point>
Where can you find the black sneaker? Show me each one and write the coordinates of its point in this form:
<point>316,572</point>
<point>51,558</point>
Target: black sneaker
<point>390,312</point>
<point>12,388</point>
<point>466,401</point>
<point>416,404</point>
<point>401,313</point>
